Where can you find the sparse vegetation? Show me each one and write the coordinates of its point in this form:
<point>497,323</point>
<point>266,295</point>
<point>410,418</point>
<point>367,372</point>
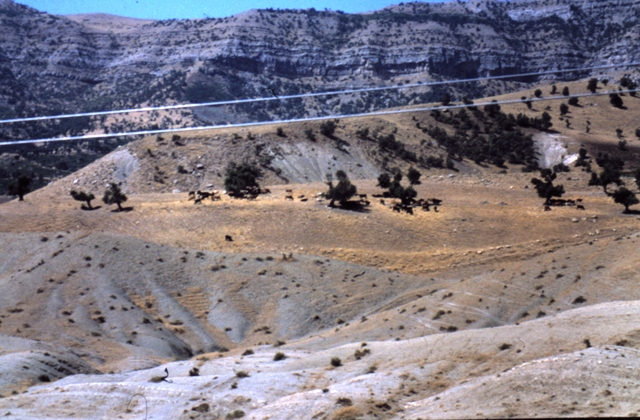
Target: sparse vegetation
<point>336,362</point>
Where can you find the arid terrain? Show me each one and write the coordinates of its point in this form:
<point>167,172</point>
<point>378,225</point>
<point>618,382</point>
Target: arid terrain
<point>488,307</point>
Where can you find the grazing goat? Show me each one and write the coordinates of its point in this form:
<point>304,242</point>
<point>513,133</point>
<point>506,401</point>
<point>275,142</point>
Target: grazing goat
<point>288,197</point>
<point>435,201</point>
<point>580,207</point>
<point>228,238</point>
<point>289,191</point>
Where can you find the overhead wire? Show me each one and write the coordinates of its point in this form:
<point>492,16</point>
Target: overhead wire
<point>313,94</point>
<point>308,119</point>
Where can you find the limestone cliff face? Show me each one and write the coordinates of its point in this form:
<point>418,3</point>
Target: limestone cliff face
<point>92,62</point>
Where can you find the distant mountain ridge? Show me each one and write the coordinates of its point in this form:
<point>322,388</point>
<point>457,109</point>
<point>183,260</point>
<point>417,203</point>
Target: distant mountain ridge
<point>56,64</point>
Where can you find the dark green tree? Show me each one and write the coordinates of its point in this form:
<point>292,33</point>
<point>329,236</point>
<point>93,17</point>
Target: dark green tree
<point>546,121</point>
<point>564,109</point>
<point>239,177</point>
<point>616,100</point>
<point>328,128</point>
<point>625,197</point>
<point>607,176</point>
<point>341,192</point>
<point>624,81</point>
<point>573,101</point>
<point>565,91</point>
<point>83,196</point>
<point>537,93</point>
<point>413,175</point>
<point>384,180</point>
<point>114,195</point>
<point>446,99</point>
<point>637,177</point>
<point>21,187</point>
<point>592,86</point>
<point>638,133</point>
<point>545,188</point>
<point>554,89</point>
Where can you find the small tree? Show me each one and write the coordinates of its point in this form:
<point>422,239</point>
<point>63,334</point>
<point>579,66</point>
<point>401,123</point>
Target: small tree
<point>280,132</point>
<point>546,121</point>
<point>446,99</point>
<point>526,101</point>
<point>554,89</point>
<point>564,109</point>
<point>638,133</point>
<point>637,177</point>
<point>565,91</point>
<point>309,133</point>
<point>239,177</point>
<point>343,191</point>
<point>328,128</point>
<point>616,100</point>
<point>624,81</point>
<point>537,93</point>
<point>592,86</point>
<point>414,176</point>
<point>384,180</point>
<point>545,188</point>
<point>625,197</point>
<point>573,101</point>
<point>113,195</point>
<point>21,187</point>
<point>83,196</point>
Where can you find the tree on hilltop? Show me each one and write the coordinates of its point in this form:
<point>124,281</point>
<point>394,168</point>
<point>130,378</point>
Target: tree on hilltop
<point>114,195</point>
<point>592,86</point>
<point>83,196</point>
<point>21,187</point>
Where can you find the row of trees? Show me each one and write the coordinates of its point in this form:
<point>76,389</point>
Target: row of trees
<point>113,195</point>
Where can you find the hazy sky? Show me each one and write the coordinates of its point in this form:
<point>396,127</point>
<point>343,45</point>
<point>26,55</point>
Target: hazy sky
<point>175,9</point>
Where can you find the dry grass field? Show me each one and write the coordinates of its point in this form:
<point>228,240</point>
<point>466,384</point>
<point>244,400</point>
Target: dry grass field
<point>489,307</point>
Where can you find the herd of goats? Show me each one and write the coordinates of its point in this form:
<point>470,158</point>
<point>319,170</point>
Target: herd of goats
<point>252,193</point>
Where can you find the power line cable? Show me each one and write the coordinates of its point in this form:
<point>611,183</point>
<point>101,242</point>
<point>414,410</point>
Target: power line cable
<point>261,123</point>
<point>307,95</point>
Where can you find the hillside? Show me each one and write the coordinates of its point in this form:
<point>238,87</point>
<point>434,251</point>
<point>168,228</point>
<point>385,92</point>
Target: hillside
<point>89,63</point>
<point>488,307</point>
